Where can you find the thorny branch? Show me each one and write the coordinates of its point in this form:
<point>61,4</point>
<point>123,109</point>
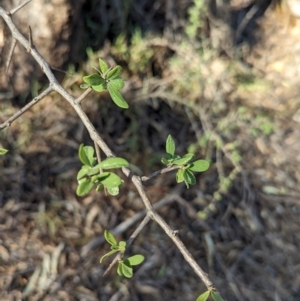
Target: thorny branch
<point>75,103</point>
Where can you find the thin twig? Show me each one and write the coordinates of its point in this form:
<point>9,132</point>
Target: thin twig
<point>115,260</point>
<point>9,121</point>
<point>124,226</point>
<point>250,14</point>
<point>97,138</point>
<point>11,51</point>
<point>30,39</point>
<point>128,243</point>
<point>13,11</point>
<point>159,172</point>
<point>83,95</point>
<point>98,154</point>
<point>138,230</point>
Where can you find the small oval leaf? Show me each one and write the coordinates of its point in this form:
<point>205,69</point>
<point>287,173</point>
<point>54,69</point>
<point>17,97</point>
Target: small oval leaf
<point>216,296</point>
<point>189,177</point>
<point>117,97</point>
<point>89,150</point>
<point>200,165</point>
<point>100,177</point>
<point>117,83</point>
<point>103,66</point>
<point>165,161</point>
<point>184,160</point>
<point>86,154</point>
<point>135,259</point>
<point>122,245</point>
<point>109,237</point>
<point>113,190</point>
<point>93,79</point>
<point>84,187</point>
<point>204,296</point>
<point>3,151</point>
<point>99,187</point>
<point>112,181</point>
<point>119,269</point>
<point>113,162</point>
<point>126,270</point>
<point>179,176</point>
<point>82,155</point>
<point>100,88</point>
<point>170,146</point>
<point>82,172</point>
<point>84,86</point>
<point>114,72</point>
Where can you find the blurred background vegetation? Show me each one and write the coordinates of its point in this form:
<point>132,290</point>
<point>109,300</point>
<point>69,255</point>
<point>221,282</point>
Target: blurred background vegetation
<point>221,78</point>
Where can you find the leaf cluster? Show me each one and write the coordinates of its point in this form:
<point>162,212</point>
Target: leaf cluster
<point>124,265</point>
<point>187,164</point>
<point>107,78</point>
<point>92,173</point>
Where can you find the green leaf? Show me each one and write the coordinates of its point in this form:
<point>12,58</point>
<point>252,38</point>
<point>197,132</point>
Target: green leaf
<point>84,187</point>
<point>204,296</point>
<point>165,161</point>
<point>86,155</point>
<point>184,160</point>
<point>109,237</point>
<point>179,176</point>
<point>189,177</point>
<point>93,171</point>
<point>135,259</point>
<point>100,88</point>
<point>113,190</point>
<point>122,245</point>
<point>170,146</point>
<point>93,79</point>
<point>3,151</point>
<point>216,296</point>
<point>119,269</point>
<point>117,83</point>
<point>117,97</point>
<point>84,86</point>
<point>83,172</point>
<point>200,165</point>
<point>99,187</point>
<point>107,254</point>
<point>126,270</point>
<point>112,162</point>
<point>103,66</point>
<point>82,155</point>
<point>113,73</point>
<point>112,180</point>
<point>101,177</point>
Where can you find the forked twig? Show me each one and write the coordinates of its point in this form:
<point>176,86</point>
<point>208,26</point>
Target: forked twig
<point>129,242</point>
<point>13,11</point>
<point>159,172</point>
<point>84,95</point>
<point>9,121</point>
<point>151,212</point>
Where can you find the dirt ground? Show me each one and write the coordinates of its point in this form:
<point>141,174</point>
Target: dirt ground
<point>235,105</point>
